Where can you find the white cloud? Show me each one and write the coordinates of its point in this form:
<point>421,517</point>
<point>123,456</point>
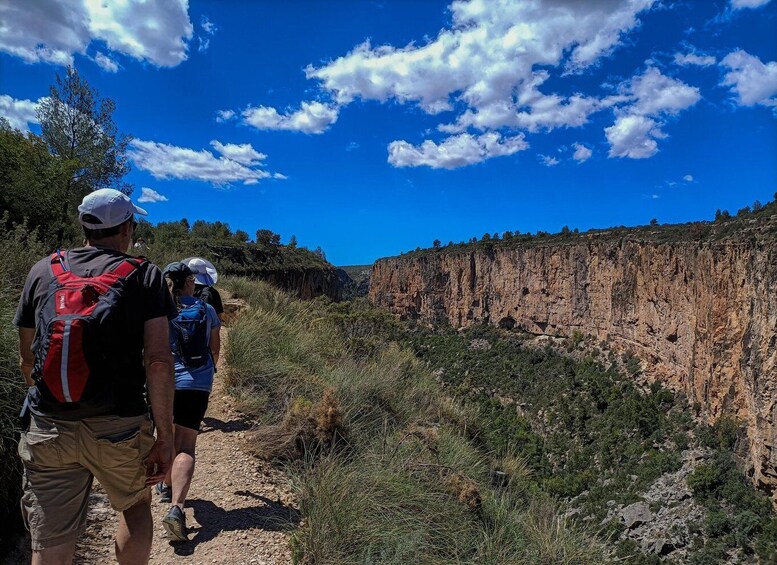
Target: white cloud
<point>54,30</point>
<point>688,59</point>
<point>19,113</point>
<point>209,29</point>
<point>489,51</point>
<point>548,160</point>
<point>456,151</point>
<point>106,63</point>
<point>634,137</point>
<point>352,146</point>
<point>582,153</point>
<point>531,110</point>
<point>244,153</point>
<point>208,26</point>
<point>279,176</point>
<point>224,115</point>
<point>652,97</point>
<point>654,94</point>
<point>171,162</point>
<point>751,80</point>
<point>488,66</point>
<point>688,178</point>
<point>739,4</point>
<point>151,195</point>
<point>312,117</point>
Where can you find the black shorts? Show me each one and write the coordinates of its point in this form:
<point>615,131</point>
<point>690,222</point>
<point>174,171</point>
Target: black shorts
<point>189,408</point>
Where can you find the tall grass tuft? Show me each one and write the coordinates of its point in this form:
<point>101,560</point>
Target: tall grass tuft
<point>19,249</point>
<point>381,457</point>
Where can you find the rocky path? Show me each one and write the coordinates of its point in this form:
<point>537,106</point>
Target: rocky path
<point>240,510</point>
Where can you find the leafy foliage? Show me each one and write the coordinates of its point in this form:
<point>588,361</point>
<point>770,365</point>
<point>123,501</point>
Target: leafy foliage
<point>229,251</point>
<point>19,249</point>
<point>32,181</point>
<point>738,517</point>
<point>77,126</point>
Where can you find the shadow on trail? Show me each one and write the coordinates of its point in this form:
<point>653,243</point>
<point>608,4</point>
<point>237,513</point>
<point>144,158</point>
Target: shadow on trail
<point>211,424</point>
<point>270,516</point>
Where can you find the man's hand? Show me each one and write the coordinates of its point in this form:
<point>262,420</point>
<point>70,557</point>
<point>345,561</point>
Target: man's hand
<point>158,461</point>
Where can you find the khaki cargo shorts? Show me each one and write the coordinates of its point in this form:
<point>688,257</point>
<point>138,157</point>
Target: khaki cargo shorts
<point>60,460</point>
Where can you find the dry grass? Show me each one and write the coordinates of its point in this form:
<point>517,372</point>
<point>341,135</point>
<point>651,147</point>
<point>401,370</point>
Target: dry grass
<point>306,428</point>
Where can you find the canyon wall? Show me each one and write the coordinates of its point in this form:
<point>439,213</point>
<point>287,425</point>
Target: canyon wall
<point>701,314</point>
<point>306,283</point>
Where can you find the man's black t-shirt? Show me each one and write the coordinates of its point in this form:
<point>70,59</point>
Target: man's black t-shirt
<point>144,298</point>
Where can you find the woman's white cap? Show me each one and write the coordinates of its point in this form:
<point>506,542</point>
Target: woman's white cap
<point>204,271</point>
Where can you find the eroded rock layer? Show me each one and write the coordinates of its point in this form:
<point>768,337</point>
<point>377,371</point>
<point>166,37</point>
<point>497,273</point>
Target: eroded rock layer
<point>701,314</point>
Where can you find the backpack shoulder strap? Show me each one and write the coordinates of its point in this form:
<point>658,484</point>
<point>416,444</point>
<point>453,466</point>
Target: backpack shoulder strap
<point>128,266</point>
<point>58,263</point>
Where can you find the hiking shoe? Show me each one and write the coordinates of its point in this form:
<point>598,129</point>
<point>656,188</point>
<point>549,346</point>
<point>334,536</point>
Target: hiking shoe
<point>165,492</point>
<point>175,524</point>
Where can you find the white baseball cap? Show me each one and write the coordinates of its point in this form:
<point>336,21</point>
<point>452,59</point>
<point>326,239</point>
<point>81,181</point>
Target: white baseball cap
<point>204,271</point>
<point>109,207</point>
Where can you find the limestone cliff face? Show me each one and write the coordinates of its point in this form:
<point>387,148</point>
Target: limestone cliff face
<point>703,315</point>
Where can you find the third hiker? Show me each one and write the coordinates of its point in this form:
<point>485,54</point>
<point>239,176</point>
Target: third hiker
<point>195,341</point>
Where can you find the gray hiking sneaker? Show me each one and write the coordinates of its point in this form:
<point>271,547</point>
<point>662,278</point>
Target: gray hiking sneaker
<point>165,492</point>
<point>175,524</point>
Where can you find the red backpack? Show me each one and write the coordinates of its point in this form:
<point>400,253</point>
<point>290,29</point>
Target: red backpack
<point>73,335</point>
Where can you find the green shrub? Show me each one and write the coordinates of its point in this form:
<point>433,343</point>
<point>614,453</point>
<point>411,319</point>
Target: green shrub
<point>19,249</point>
<point>721,435</point>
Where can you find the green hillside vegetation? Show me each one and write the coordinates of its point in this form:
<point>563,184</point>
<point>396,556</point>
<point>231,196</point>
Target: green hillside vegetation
<point>231,252</point>
<point>755,223</point>
<point>19,249</point>
<point>590,435</point>
<point>384,460</point>
<point>436,446</point>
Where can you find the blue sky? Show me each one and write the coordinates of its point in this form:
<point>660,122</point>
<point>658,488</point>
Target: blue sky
<point>370,128</point>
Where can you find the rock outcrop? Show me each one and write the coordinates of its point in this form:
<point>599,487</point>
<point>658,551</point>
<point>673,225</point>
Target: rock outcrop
<point>701,314</point>
<point>306,283</point>
<point>297,270</point>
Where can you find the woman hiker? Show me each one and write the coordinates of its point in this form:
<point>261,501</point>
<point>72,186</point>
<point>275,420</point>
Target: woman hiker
<point>195,341</point>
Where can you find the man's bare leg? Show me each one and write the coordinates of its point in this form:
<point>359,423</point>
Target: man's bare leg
<point>61,554</point>
<point>135,533</point>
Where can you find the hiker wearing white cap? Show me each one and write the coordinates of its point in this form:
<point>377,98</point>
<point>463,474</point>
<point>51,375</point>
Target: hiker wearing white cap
<point>93,334</point>
<point>195,341</point>
<point>205,277</point>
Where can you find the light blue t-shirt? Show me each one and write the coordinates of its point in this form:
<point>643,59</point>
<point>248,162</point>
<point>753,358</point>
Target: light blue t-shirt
<point>200,378</point>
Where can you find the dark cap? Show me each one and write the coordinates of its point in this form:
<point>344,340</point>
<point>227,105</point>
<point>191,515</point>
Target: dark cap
<point>177,272</point>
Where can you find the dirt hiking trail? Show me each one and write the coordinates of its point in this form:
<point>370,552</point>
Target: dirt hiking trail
<point>240,510</point>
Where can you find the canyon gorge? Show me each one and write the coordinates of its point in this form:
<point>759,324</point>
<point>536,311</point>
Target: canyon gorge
<point>697,304</point>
